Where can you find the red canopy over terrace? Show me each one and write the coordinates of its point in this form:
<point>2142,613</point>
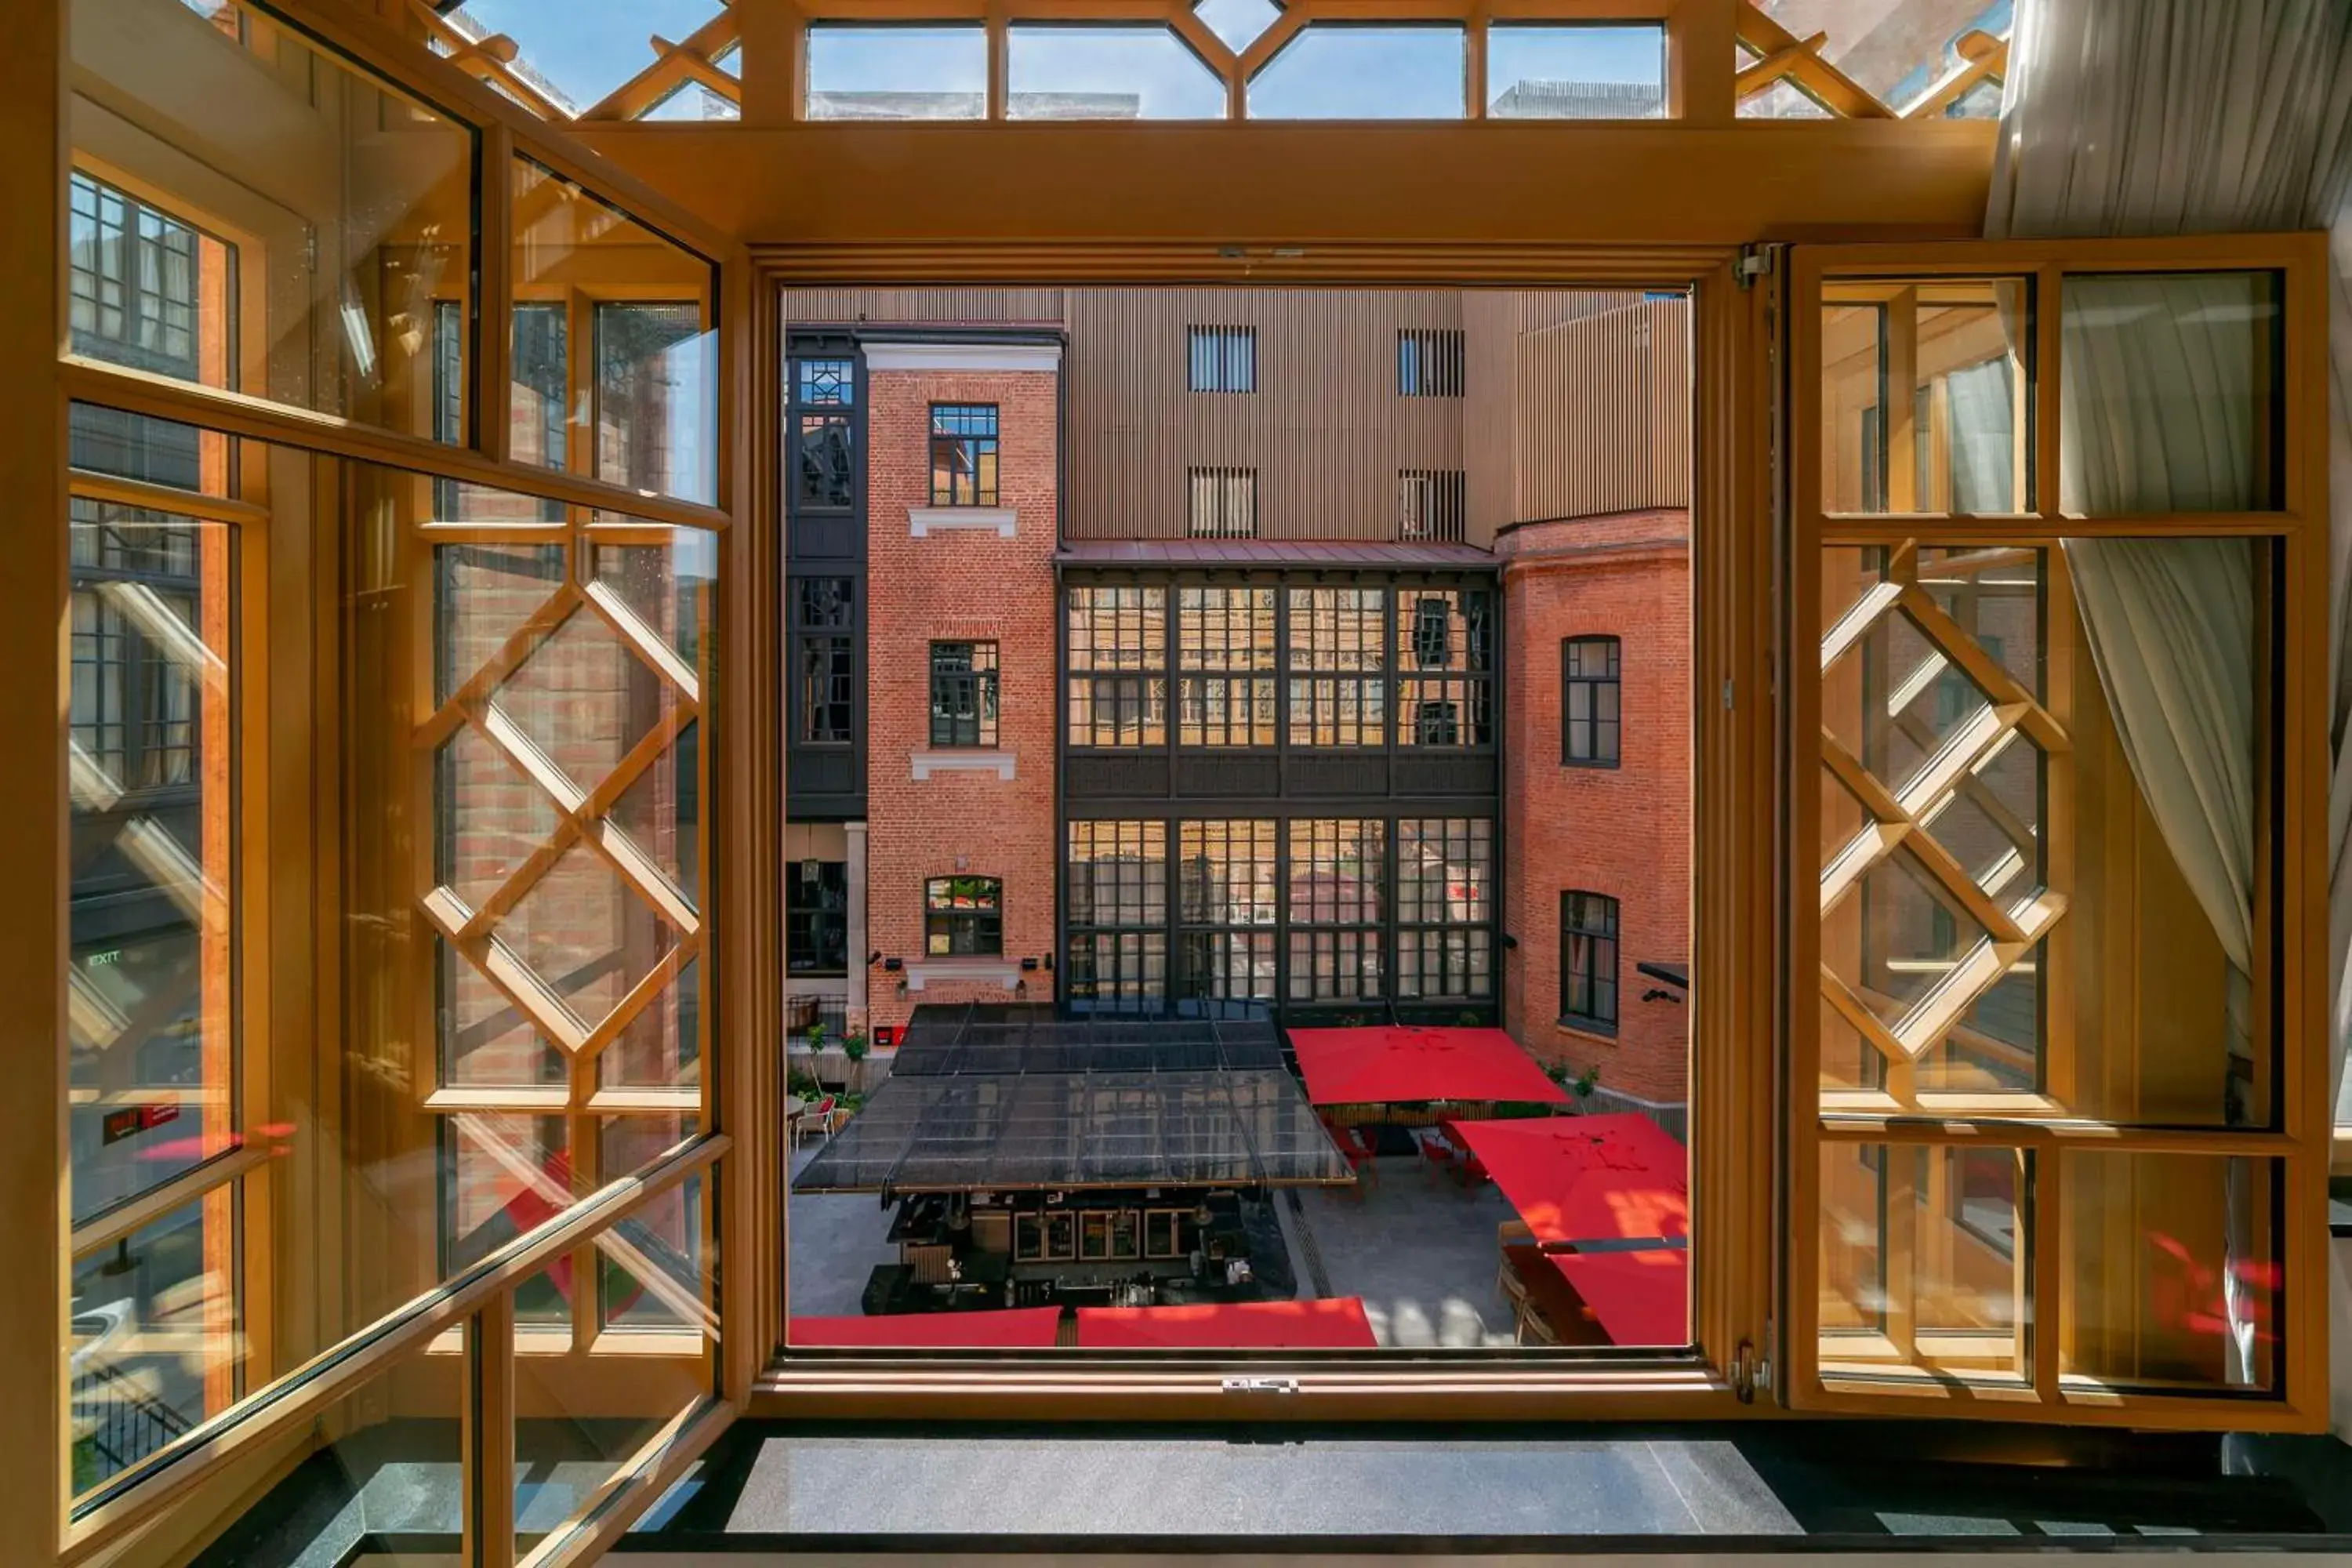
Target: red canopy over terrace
<point>1021,1328</point>
<point>1396,1064</point>
<point>1586,1178</point>
<point>1640,1298</point>
<point>1337,1323</point>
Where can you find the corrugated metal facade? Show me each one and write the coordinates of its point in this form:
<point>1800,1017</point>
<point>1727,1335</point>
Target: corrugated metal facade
<point>1562,403</point>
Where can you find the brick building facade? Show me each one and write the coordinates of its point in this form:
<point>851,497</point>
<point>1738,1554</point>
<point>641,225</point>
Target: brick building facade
<point>1617,825</point>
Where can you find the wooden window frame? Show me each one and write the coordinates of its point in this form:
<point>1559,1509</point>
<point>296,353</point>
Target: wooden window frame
<point>2298,1141</point>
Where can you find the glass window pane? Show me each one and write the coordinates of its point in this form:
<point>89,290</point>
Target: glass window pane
<point>614,323</point>
<point>1974,699</point>
<point>2173,1275</point>
<point>1899,51</point>
<point>1924,1262</point>
<point>1237,23</point>
<point>1348,71</point>
<point>1106,73</point>
<point>1576,73</point>
<point>158,1336</point>
<point>152,826</point>
<point>579,54</point>
<point>2172,392</point>
<point>297,223</point>
<point>1924,396</point>
<point>889,72</point>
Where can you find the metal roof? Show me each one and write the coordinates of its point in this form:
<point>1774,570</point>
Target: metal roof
<point>1275,553</point>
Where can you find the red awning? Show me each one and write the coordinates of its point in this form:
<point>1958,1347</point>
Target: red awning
<point>1236,1325</point>
<point>1394,1065</point>
<point>1023,1327</point>
<point>1641,1298</point>
<point>1586,1178</point>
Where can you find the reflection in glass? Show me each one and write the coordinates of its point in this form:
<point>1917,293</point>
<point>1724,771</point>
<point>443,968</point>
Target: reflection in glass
<point>157,1340</point>
<point>2173,1276</point>
<point>1921,1263</point>
<point>150,976</point>
<point>1350,72</point>
<point>1546,72</point>
<point>643,405</point>
<point>327,297</point>
<point>1106,73</point>
<point>1923,382</point>
<point>897,72</point>
<point>2170,393</point>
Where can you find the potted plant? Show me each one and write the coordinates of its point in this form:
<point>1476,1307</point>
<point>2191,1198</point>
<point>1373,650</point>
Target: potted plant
<point>1580,1084</point>
<point>854,1046</point>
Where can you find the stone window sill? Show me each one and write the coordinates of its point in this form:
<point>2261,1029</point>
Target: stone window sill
<point>923,764</point>
<point>920,971</point>
<point>922,521</point>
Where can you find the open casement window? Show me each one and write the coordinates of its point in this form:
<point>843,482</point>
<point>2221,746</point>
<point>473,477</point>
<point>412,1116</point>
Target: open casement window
<point>2059,1137</point>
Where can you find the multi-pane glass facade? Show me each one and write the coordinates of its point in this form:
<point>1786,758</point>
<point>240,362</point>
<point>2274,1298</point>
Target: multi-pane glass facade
<point>1117,656</point>
<point>1225,656</point>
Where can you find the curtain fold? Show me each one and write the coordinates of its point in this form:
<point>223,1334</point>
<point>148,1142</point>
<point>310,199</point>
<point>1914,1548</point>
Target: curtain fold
<point>2163,116</point>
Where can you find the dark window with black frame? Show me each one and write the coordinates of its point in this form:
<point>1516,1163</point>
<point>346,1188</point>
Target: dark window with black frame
<point>537,432</point>
<point>1115,895</point>
<point>1336,680</point>
<point>1430,362</point>
<point>963,454</point>
<point>1226,876</point>
<point>1588,961</point>
<point>1589,695</point>
<point>817,918</point>
<point>1446,910</point>
<point>1445,665</point>
<point>136,649</point>
<point>134,283</point>
<point>964,694</point>
<point>963,917</point>
<point>1225,638</point>
<point>824,650</point>
<point>1338,869</point>
<point>1118,652</point>
<point>1224,359</point>
<point>1221,503</point>
<point>824,466</point>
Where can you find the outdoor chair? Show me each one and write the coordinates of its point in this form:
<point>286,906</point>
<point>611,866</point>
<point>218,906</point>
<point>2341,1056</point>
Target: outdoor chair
<point>1509,1285</point>
<point>817,1118</point>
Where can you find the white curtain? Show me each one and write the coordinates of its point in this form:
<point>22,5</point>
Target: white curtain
<point>2205,116</point>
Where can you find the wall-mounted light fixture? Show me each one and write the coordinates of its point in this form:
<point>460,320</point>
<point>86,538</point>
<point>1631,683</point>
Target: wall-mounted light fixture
<point>1029,964</point>
<point>893,965</point>
<point>873,958</point>
<point>1509,942</point>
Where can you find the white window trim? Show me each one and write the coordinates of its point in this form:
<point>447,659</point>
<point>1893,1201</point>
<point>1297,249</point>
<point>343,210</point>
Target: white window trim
<point>922,520</point>
<point>963,760</point>
<point>920,970</point>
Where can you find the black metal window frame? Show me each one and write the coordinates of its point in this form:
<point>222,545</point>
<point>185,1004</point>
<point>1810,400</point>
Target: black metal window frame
<point>1222,359</point>
<point>1338,678</point>
<point>1116,915</point>
<point>964,461</point>
<point>1116,650</point>
<point>1225,636</point>
<point>132,710</point>
<point>824,658</point>
<point>963,917</point>
<point>1432,505</point>
<point>134,282</point>
<point>1430,362</point>
<point>823,471</point>
<point>1445,667</point>
<point>817,918</point>
<point>1221,502</point>
<point>964,694</point>
<point>1588,961</point>
<point>1592,701</point>
<point>1228,907</point>
<point>1444,908</point>
<point>1338,953</point>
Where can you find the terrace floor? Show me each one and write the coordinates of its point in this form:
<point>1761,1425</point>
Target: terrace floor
<point>1422,1254</point>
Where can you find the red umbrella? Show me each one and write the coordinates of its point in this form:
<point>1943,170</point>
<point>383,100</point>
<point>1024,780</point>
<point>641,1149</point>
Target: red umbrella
<point>1641,1298</point>
<point>1586,1178</point>
<point>1397,1065</point>
<point>1021,1327</point>
<point>1339,1323</point>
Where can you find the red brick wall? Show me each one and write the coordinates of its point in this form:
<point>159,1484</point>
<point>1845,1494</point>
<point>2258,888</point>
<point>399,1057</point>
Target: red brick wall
<point>1624,832</point>
<point>958,584</point>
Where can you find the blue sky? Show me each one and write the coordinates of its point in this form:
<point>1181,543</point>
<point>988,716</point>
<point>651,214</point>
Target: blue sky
<point>587,47</point>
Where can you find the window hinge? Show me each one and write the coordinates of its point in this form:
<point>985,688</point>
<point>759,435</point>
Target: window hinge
<point>1755,261</point>
<point>1261,1385</point>
<point>311,250</point>
<point>1726,694</point>
<point>1749,1372</point>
